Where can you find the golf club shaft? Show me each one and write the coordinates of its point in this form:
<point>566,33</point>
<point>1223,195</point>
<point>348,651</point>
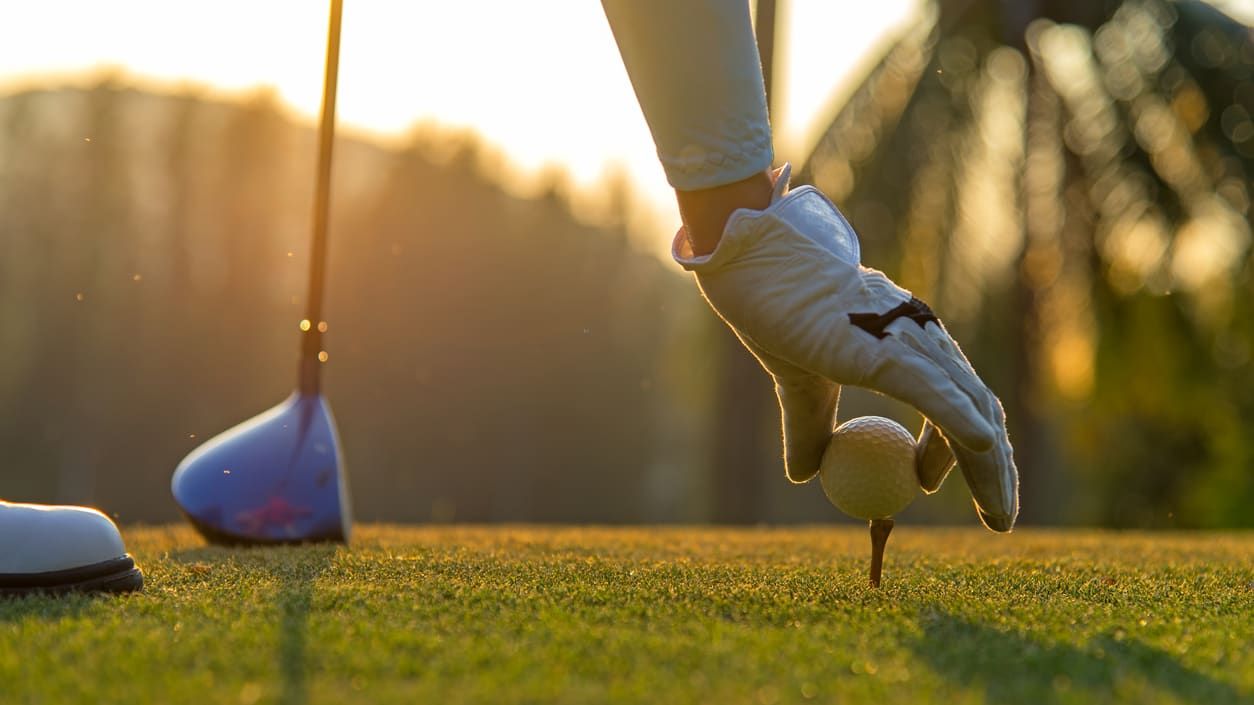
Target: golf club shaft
<point>311,343</point>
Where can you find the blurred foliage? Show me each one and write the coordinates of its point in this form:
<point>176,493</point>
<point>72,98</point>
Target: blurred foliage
<point>1069,183</point>
<point>490,356</point>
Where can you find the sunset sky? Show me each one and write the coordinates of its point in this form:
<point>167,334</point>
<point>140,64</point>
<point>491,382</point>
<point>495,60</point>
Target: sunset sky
<point>542,81</point>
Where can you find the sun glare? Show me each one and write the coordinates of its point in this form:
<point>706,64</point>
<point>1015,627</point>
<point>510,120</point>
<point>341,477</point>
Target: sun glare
<point>546,87</point>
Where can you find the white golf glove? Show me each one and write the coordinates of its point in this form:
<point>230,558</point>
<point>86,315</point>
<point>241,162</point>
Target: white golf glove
<point>788,282</point>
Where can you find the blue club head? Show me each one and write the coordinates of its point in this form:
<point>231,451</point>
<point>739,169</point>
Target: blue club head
<point>276,478</point>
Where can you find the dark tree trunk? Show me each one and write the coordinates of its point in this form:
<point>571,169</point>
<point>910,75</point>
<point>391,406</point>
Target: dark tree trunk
<point>744,403</point>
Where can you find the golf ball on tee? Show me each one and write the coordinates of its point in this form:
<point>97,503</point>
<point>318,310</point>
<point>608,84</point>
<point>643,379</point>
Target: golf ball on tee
<point>868,468</point>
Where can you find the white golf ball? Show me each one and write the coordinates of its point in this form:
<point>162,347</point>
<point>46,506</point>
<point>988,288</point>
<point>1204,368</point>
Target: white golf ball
<point>868,468</point>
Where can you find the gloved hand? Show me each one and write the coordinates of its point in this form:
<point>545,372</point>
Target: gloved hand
<point>788,282</point>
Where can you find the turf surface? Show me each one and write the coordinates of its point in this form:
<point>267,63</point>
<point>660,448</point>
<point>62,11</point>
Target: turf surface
<point>575,615</point>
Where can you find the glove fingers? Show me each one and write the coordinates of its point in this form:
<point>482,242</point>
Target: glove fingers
<point>807,411</point>
<point>914,378</point>
<point>933,458</point>
<point>807,407</point>
<point>990,474</point>
<point>996,500</point>
<point>934,342</point>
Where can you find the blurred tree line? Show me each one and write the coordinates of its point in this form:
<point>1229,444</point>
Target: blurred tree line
<point>490,356</point>
<point>1069,182</point>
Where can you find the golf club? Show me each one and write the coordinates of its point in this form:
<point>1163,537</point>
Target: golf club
<point>279,477</point>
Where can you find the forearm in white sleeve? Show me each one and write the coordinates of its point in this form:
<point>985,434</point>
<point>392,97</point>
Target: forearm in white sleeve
<point>695,69</point>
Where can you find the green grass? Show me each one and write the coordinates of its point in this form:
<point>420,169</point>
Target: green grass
<point>596,615</point>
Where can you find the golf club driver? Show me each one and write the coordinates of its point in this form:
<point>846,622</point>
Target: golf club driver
<point>279,477</point>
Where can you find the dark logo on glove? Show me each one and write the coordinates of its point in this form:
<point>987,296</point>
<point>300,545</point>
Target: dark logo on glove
<point>875,323</point>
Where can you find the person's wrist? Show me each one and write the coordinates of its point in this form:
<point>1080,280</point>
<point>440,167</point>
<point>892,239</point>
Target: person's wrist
<point>705,211</point>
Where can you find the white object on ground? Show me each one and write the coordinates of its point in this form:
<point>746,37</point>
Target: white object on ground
<point>868,468</point>
<point>61,549</point>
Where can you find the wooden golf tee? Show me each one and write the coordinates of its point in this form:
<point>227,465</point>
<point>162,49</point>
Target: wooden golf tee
<point>880,529</point>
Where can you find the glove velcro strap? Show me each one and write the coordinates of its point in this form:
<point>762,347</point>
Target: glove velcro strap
<point>875,323</point>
